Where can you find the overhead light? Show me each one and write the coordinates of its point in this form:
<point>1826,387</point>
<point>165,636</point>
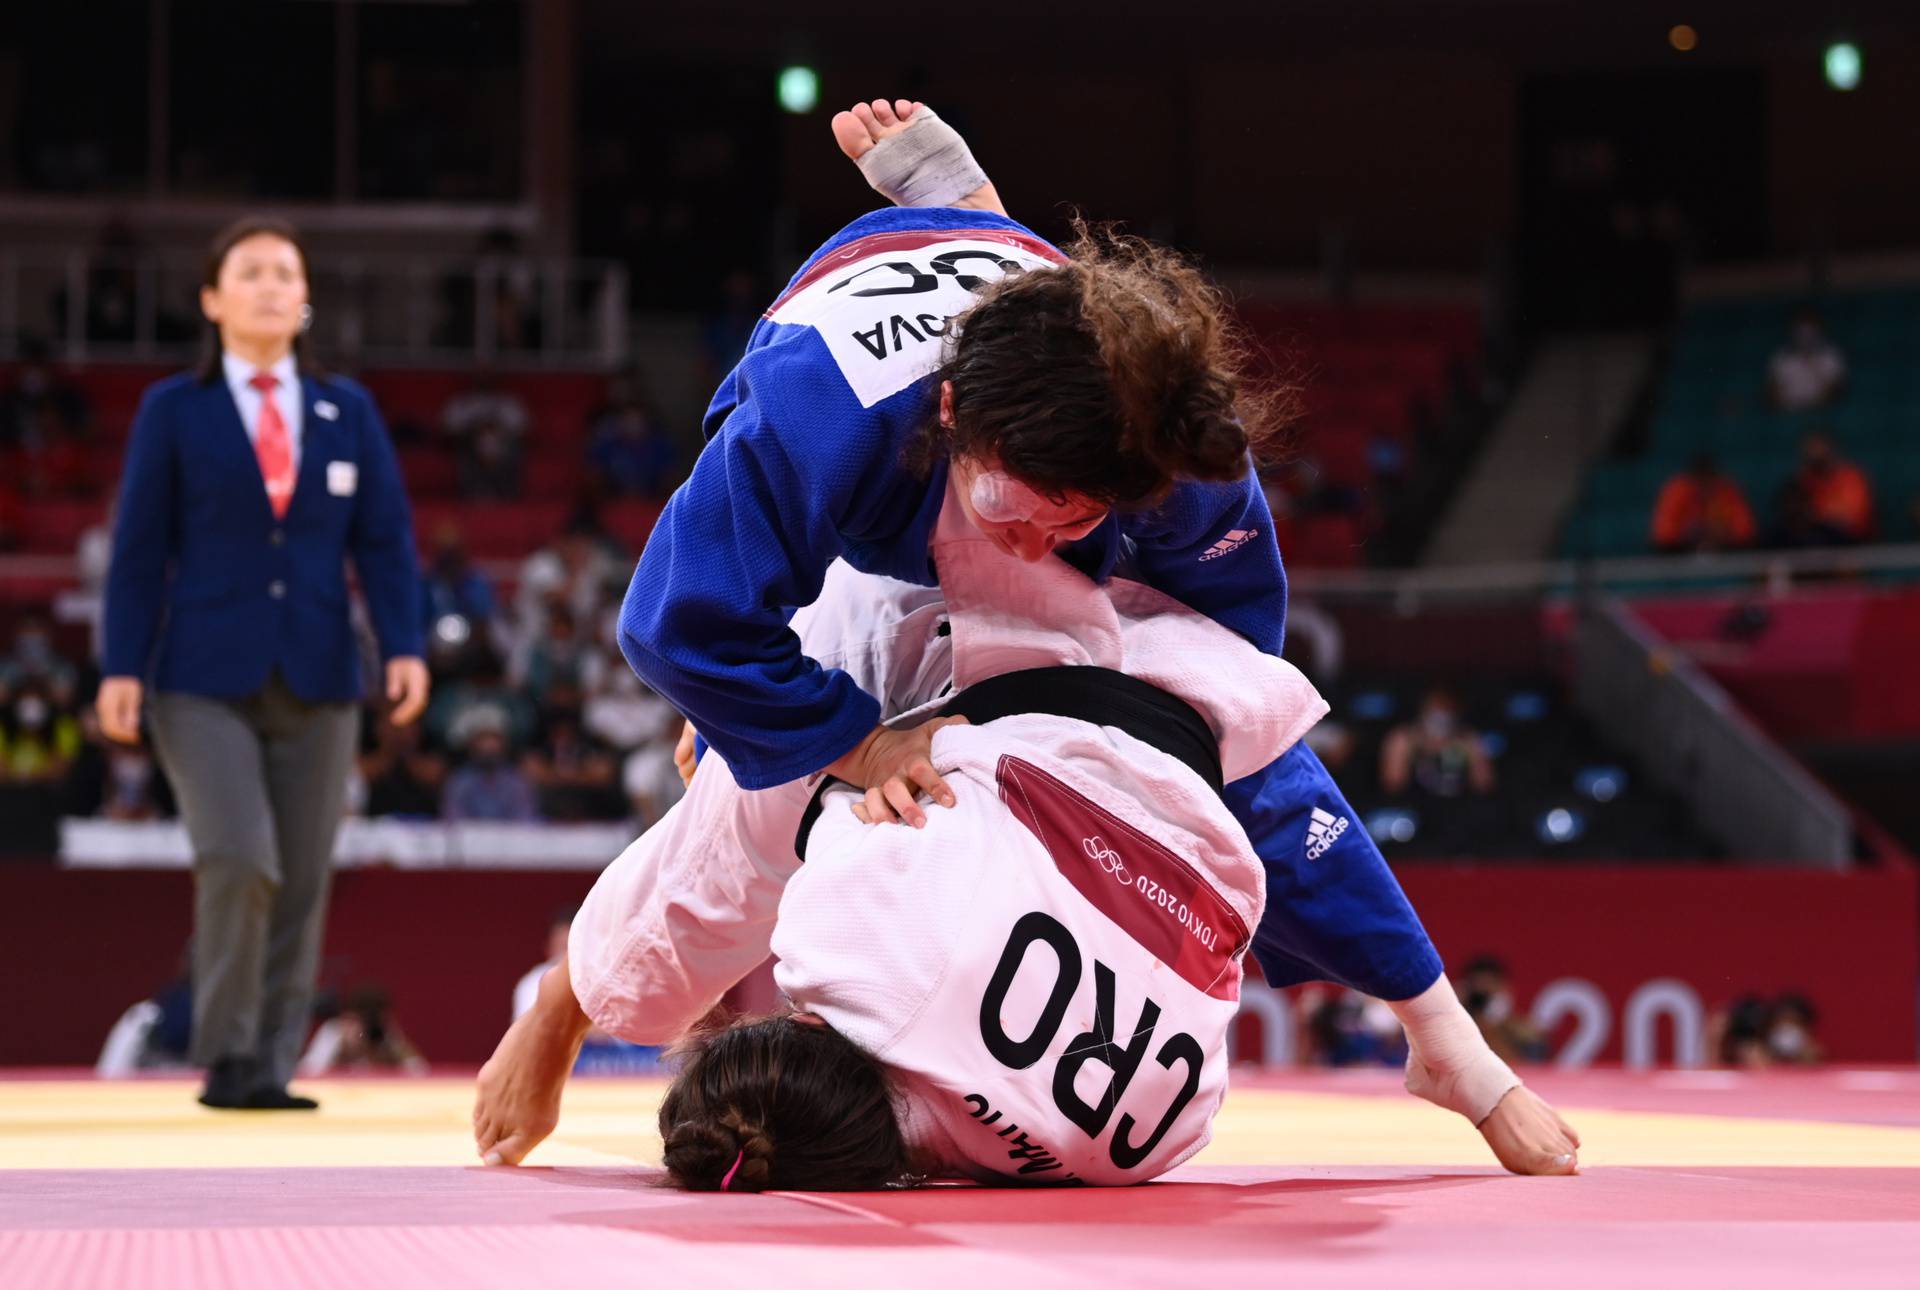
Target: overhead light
<point>1843,65</point>
<point>799,89</point>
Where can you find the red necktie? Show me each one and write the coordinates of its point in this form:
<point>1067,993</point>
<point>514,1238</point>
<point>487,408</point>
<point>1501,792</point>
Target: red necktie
<point>273,445</point>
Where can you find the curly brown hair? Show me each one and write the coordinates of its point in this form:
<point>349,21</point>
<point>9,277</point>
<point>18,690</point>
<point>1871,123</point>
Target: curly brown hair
<point>779,1104</point>
<point>1112,376</point>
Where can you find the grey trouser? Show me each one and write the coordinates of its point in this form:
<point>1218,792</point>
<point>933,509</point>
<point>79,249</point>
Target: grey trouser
<point>261,782</point>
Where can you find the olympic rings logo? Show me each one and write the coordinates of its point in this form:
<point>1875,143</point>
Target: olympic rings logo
<point>1107,858</point>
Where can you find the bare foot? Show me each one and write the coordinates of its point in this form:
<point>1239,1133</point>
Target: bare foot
<point>863,125</point>
<point>1529,1137</point>
<point>517,1103</point>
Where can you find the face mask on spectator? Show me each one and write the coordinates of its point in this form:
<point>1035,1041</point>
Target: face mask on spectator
<point>1787,1038</point>
<point>31,712</point>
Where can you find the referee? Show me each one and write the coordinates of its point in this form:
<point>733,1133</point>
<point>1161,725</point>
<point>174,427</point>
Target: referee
<point>248,484</point>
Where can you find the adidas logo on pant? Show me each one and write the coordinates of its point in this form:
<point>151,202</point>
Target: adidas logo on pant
<point>1323,830</point>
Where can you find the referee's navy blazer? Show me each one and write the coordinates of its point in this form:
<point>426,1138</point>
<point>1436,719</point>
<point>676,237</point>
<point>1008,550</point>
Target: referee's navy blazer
<point>209,592</point>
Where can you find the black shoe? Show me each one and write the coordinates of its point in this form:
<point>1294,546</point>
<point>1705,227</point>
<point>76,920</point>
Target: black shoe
<point>230,1082</point>
<point>268,1097</point>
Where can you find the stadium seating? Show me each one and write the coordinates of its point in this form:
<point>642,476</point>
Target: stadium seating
<point>1713,398</point>
<point>559,405</point>
<point>1369,376</point>
<point>1547,760</point>
<point>1366,371</point>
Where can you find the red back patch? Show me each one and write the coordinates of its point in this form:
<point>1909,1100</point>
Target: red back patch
<point>1154,896</point>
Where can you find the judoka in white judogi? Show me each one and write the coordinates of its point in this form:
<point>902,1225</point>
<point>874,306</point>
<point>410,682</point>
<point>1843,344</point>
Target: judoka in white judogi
<point>1049,968</point>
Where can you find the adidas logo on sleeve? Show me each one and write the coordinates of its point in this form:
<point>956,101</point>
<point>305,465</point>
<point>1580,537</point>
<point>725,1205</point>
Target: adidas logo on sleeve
<point>1233,541</point>
<point>1323,830</point>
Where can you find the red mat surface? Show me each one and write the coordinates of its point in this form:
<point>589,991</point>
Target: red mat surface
<point>1430,1228</point>
<point>1343,1227</point>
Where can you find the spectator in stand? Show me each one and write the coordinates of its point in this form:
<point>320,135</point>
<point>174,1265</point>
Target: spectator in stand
<point>630,454</point>
<point>42,408</point>
<point>92,558</point>
<point>480,697</point>
<point>488,427</point>
<point>600,1053</point>
<point>488,786</point>
<point>1438,754</point>
<point>516,291</point>
<point>1790,1040</point>
<point>528,987</point>
<point>39,740</point>
<point>402,777</point>
<point>649,777</point>
<point>623,712</point>
<point>1809,371</point>
<point>455,588</point>
<point>575,774</point>
<point>155,1033</point>
<point>1488,998</point>
<point>35,659</point>
<point>1828,502</point>
<point>1737,1037</point>
<point>130,791</point>
<point>109,779</point>
<point>554,666</point>
<point>1353,1029</point>
<point>579,568</point>
<point>1701,509</point>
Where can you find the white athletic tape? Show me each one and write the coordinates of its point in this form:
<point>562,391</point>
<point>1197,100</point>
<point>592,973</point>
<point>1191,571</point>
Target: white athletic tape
<point>999,498</point>
<point>1448,1061</point>
<point>926,164</point>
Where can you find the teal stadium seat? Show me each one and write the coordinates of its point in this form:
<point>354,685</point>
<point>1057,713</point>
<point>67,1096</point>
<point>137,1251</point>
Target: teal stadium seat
<point>1713,398</point>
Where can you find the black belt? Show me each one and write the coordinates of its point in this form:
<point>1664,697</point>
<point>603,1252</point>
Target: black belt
<point>1094,694</point>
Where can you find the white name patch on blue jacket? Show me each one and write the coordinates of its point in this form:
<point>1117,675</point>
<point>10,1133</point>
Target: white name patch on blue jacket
<point>883,302</point>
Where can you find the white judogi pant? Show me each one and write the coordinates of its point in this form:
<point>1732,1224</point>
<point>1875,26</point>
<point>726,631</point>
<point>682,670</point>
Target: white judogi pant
<point>1048,969</point>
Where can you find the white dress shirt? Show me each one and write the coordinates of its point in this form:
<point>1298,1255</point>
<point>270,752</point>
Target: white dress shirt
<point>286,396</point>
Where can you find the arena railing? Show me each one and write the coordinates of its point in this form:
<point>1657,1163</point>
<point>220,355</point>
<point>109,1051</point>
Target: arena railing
<point>1748,793</point>
<point>362,843</point>
<point>378,308</point>
<point>1778,572</point>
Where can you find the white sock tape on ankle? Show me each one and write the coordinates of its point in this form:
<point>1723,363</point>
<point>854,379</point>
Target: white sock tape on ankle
<point>926,164</point>
<point>1448,1061</point>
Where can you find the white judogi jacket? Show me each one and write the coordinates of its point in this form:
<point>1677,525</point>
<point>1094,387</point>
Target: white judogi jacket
<point>1049,968</point>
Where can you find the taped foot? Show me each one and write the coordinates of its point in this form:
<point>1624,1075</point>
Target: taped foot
<point>911,157</point>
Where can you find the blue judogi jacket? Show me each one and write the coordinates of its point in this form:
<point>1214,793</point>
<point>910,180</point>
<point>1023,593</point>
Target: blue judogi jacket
<point>209,593</point>
<point>803,464</point>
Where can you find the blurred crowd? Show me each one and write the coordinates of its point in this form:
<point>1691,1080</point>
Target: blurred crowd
<point>1828,501</point>
<point>1342,1027</point>
<point>535,714</point>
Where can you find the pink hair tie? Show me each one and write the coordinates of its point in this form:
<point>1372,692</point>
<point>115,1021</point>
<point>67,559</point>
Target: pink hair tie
<point>736,1169</point>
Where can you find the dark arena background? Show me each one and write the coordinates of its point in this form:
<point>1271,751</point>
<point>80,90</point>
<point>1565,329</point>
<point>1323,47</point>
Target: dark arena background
<point>1601,519</point>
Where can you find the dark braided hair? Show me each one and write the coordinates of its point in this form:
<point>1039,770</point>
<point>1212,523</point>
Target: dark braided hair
<point>781,1105</point>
